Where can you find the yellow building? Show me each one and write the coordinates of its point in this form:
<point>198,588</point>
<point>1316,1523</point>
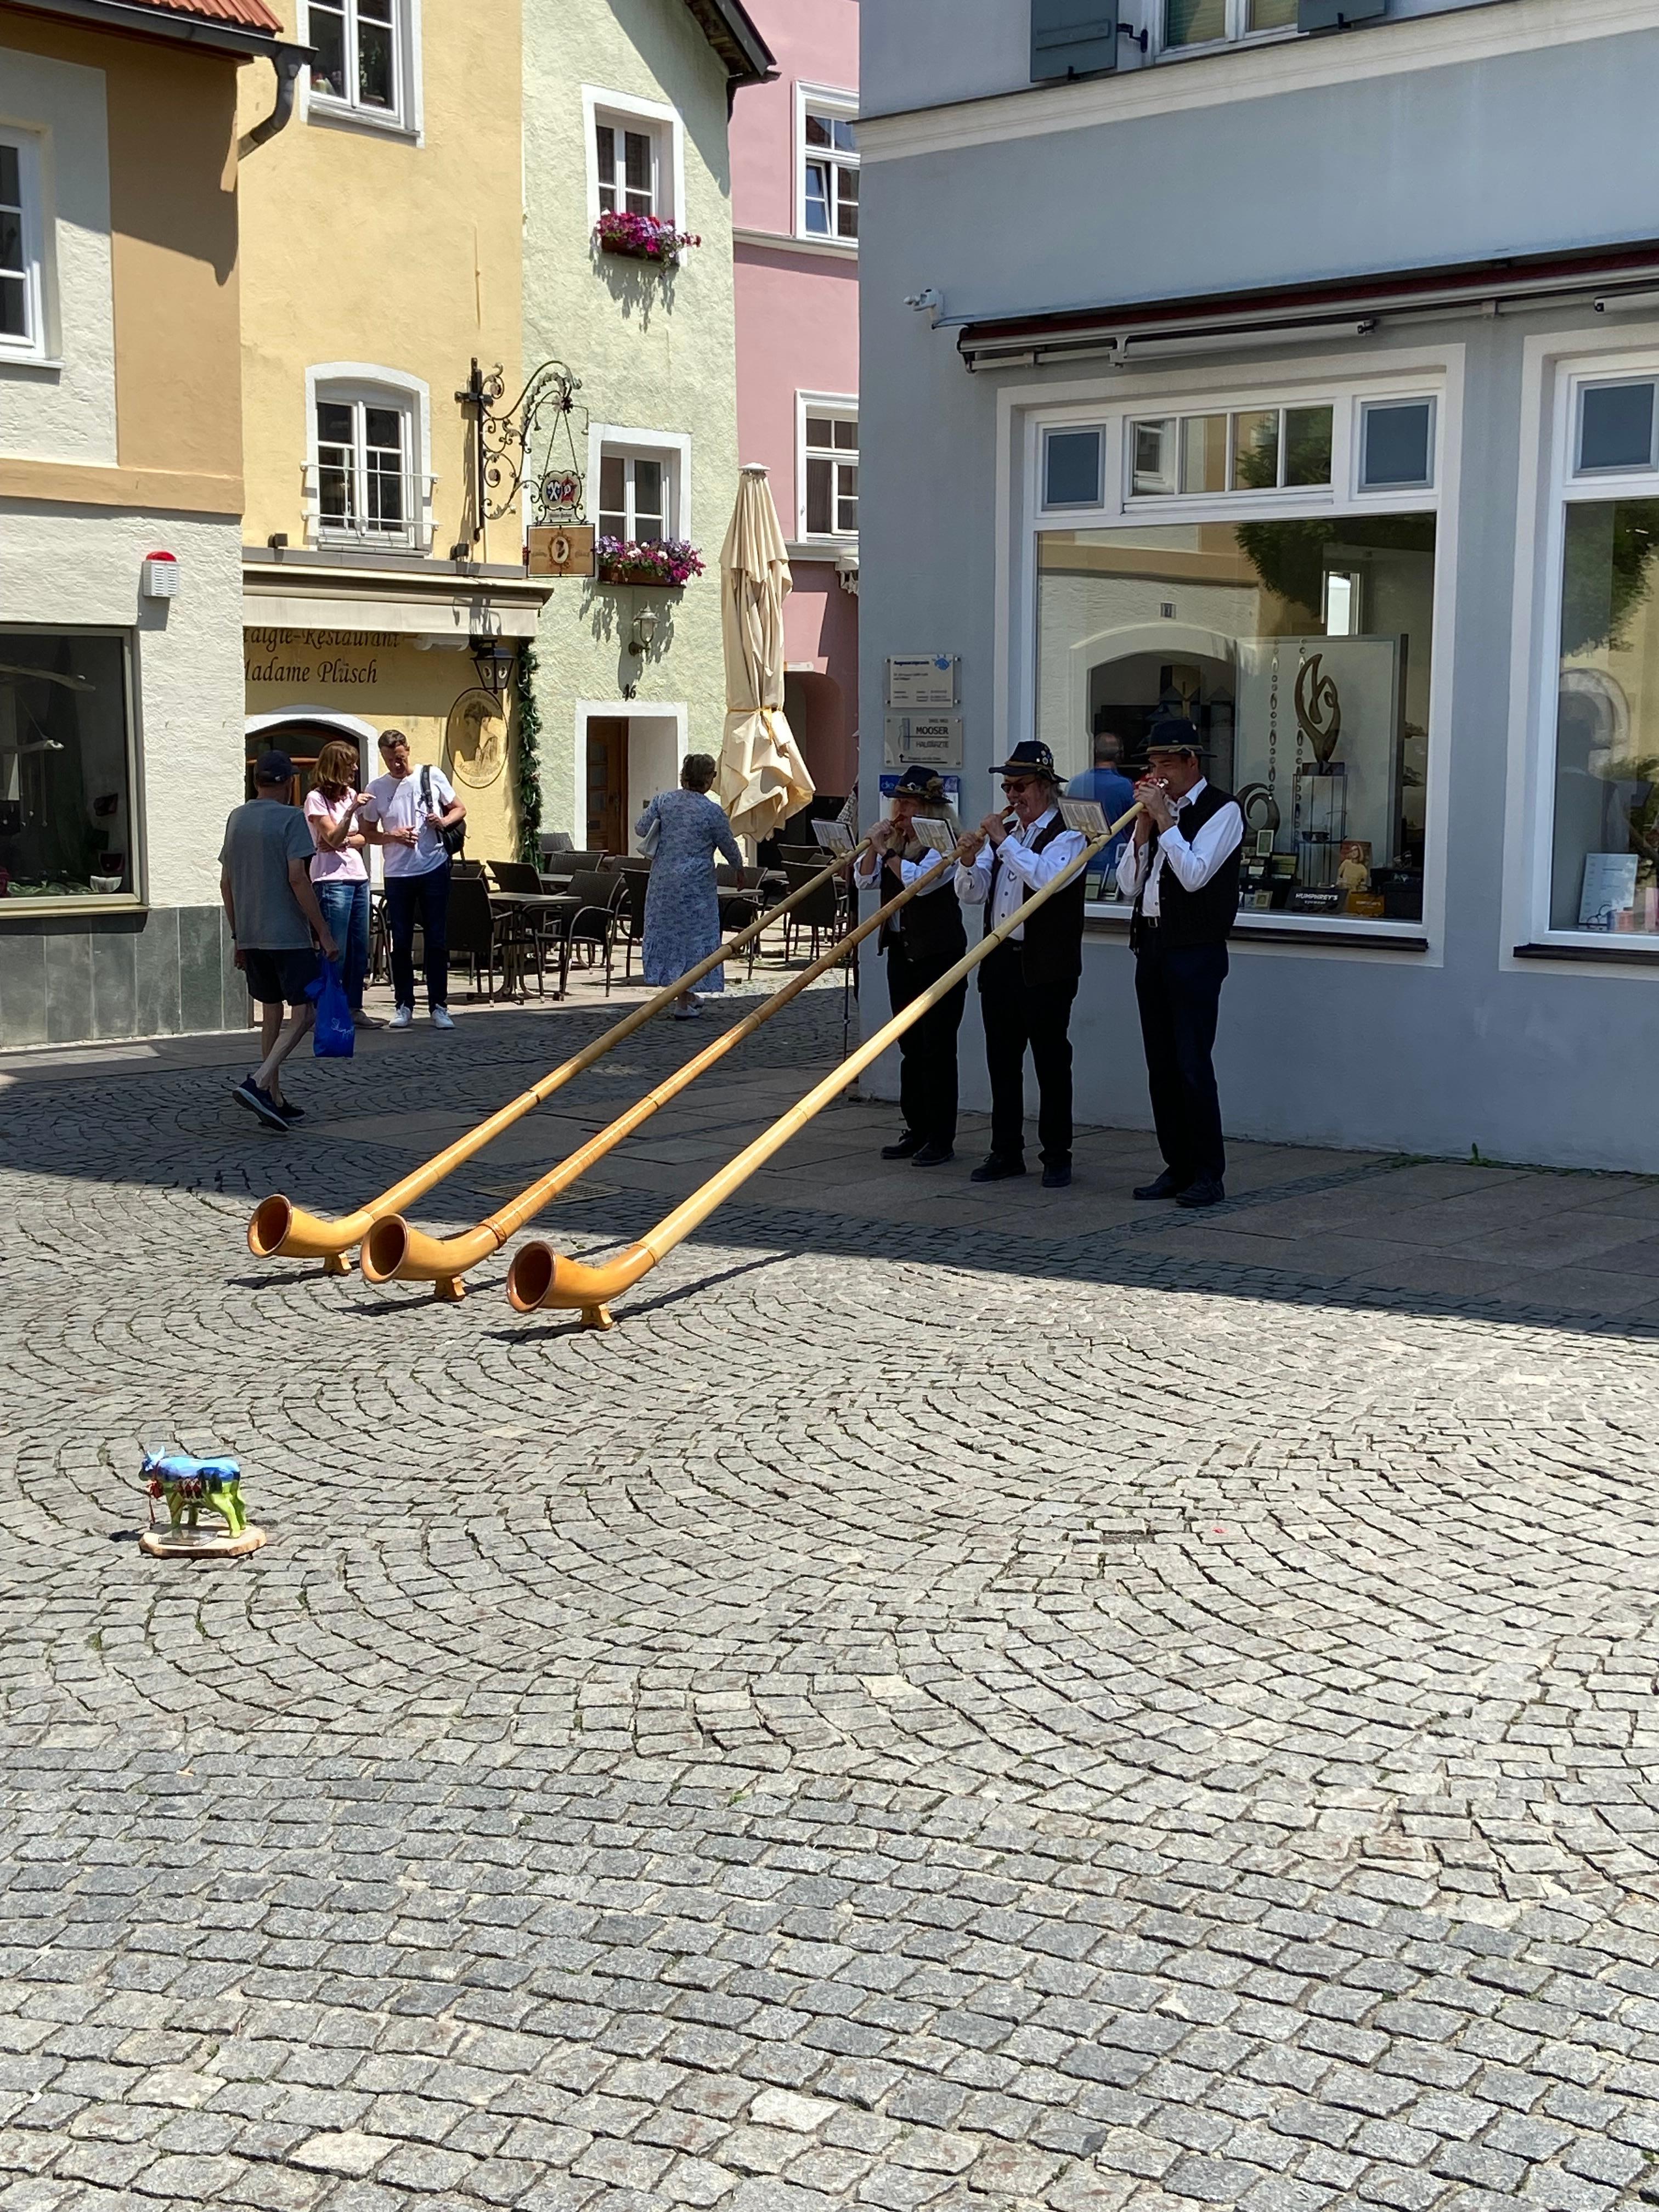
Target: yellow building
<point>120,495</point>
<point>383,575</point>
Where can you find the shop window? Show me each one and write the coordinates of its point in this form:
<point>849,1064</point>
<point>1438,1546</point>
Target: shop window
<point>20,261</point>
<point>636,496</point>
<point>1616,425</point>
<point>1071,468</point>
<point>66,828</point>
<point>364,489</point>
<point>831,474</point>
<point>1253,450</point>
<point>1301,646</point>
<point>1396,445</point>
<point>362,59</point>
<point>1213,22</point>
<point>629,170</point>
<point>829,167</point>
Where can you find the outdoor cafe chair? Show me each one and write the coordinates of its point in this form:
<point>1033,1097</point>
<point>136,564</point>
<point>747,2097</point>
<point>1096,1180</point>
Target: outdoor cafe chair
<point>592,926</point>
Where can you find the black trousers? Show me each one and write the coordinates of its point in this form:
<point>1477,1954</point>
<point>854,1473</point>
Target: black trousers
<point>1179,993</point>
<point>1018,1014</point>
<point>427,896</point>
<point>928,1050</point>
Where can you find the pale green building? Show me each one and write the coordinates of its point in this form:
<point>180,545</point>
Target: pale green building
<point>626,115</point>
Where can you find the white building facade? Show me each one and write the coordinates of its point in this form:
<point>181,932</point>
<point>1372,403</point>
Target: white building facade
<point>1294,366</point>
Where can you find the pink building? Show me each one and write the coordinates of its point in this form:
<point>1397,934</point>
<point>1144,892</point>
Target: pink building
<point>795,217</point>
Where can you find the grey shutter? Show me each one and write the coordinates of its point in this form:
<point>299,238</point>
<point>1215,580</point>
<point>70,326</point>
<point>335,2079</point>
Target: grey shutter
<point>1337,15</point>
<point>1072,38</point>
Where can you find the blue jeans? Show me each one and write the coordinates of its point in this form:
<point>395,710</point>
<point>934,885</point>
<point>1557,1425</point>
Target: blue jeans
<point>345,910</point>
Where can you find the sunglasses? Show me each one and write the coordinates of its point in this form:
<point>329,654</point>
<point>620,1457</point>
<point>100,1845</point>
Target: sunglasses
<point>1012,786</point>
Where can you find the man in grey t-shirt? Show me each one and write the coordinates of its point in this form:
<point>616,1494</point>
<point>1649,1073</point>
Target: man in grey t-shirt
<point>264,880</point>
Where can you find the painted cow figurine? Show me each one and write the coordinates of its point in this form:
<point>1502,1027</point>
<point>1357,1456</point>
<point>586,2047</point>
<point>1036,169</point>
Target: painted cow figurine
<point>188,1485</point>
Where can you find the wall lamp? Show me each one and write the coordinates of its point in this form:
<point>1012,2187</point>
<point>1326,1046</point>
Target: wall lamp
<point>495,663</point>
<point>642,637</point>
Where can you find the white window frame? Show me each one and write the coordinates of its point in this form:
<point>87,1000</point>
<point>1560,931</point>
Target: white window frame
<point>671,448</point>
<point>626,112</point>
<point>845,105</point>
<point>1556,366</point>
<point>355,384</point>
<point>1116,397</point>
<point>32,346</point>
<point>843,406</point>
<point>1236,34</point>
<point>1345,489</point>
<point>407,118</point>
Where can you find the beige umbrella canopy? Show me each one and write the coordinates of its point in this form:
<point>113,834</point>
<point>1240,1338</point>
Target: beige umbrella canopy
<point>762,777</point>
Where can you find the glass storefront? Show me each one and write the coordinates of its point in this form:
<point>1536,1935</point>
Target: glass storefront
<point>1604,873</point>
<point>66,822</point>
<point>1301,648</point>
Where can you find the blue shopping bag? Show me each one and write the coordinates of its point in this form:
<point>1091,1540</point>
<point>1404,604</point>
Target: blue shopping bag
<point>336,1033</point>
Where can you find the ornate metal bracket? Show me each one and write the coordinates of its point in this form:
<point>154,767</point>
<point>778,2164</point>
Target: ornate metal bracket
<point>531,443</point>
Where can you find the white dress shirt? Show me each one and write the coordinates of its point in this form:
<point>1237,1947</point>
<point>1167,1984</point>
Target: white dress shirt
<point>1021,870</point>
<point>866,873</point>
<point>1192,861</point>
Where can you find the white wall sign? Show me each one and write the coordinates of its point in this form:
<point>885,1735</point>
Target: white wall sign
<point>932,741</point>
<point>922,679</point>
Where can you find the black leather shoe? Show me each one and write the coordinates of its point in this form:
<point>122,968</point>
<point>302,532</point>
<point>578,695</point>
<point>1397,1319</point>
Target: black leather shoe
<point>1204,1192</point>
<point>996,1169</point>
<point>1165,1186</point>
<point>909,1143</point>
<point>1057,1177</point>
<point>933,1155</point>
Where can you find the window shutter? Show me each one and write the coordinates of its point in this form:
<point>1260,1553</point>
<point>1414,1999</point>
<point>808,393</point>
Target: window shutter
<point>1337,15</point>
<point>1072,38</point>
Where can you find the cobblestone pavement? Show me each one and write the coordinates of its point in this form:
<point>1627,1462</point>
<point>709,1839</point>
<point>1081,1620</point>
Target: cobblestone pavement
<point>962,1700</point>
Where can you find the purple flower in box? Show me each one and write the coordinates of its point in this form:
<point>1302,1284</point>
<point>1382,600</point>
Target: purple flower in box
<point>667,562</point>
<point>643,238</point>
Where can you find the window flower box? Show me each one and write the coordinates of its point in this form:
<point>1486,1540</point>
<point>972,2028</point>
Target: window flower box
<point>667,564</point>
<point>643,238</point>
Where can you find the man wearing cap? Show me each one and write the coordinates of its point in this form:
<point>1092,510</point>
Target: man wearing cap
<point>1026,985</point>
<point>920,943</point>
<point>265,881</point>
<point>1182,871</point>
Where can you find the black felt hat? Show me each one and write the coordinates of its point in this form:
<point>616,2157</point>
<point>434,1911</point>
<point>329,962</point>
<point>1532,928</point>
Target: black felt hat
<point>1030,757</point>
<point>919,782</point>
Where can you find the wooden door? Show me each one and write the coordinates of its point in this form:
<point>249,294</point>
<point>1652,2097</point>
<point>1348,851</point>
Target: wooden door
<point>607,782</point>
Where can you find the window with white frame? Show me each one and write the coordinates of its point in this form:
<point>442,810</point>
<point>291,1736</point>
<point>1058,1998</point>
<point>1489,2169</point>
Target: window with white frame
<point>362,60</point>
<point>1215,22</point>
<point>1604,828</point>
<point>829,160</point>
<point>20,259</point>
<point>366,486</point>
<point>1238,561</point>
<point>829,476</point>
<point>628,158</point>
<point>638,495</point>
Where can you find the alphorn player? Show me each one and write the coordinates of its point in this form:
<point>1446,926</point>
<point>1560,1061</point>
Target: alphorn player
<point>1181,871</point>
<point>921,941</point>
<point>1026,985</point>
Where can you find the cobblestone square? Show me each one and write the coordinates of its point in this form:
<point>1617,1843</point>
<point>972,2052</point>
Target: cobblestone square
<point>962,1700</point>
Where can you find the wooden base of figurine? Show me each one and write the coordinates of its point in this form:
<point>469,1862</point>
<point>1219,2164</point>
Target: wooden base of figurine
<point>200,1543</point>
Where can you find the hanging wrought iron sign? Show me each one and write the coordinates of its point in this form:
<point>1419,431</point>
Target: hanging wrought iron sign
<point>529,447</point>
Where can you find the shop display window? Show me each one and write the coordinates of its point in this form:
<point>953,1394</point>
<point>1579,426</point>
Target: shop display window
<point>66,827</point>
<point>1301,649</point>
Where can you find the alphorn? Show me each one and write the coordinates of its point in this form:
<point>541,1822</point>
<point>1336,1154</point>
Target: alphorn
<point>393,1251</point>
<point>540,1277</point>
<point>280,1230</point>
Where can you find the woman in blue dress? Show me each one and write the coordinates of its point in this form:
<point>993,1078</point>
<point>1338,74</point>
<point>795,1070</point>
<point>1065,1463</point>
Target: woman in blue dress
<point>682,905</point>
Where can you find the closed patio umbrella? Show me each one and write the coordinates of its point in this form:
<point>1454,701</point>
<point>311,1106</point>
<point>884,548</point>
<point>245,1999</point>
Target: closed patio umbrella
<point>762,777</point>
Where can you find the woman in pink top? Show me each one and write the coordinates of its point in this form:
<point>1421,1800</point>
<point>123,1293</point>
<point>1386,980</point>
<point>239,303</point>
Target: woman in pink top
<point>337,871</point>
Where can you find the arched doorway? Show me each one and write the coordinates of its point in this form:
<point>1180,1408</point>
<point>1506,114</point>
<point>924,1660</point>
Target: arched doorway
<point>301,732</point>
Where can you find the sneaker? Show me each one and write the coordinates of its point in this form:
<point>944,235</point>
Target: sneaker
<point>933,1155</point>
<point>997,1168</point>
<point>289,1112</point>
<point>442,1018</point>
<point>907,1144</point>
<point>361,1020</point>
<point>247,1093</point>
<point>402,1018</point>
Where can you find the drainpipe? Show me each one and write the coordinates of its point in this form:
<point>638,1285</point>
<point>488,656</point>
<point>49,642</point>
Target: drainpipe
<point>288,61</point>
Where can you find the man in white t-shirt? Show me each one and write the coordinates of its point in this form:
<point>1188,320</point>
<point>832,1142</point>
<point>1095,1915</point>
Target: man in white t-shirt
<point>405,811</point>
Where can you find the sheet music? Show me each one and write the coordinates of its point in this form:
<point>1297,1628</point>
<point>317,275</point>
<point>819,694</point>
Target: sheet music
<point>833,836</point>
<point>1085,814</point>
<point>935,835</point>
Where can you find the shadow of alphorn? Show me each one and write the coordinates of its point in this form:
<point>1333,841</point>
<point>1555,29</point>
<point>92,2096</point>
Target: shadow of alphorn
<point>540,1277</point>
<point>282,1230</point>
<point>393,1251</point>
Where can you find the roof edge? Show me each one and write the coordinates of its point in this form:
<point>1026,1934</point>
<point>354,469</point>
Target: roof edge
<point>142,21</point>
<point>732,33</point>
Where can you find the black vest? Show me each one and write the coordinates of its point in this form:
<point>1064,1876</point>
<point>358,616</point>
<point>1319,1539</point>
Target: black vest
<point>1204,916</point>
<point>928,927</point>
<point>1051,950</point>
